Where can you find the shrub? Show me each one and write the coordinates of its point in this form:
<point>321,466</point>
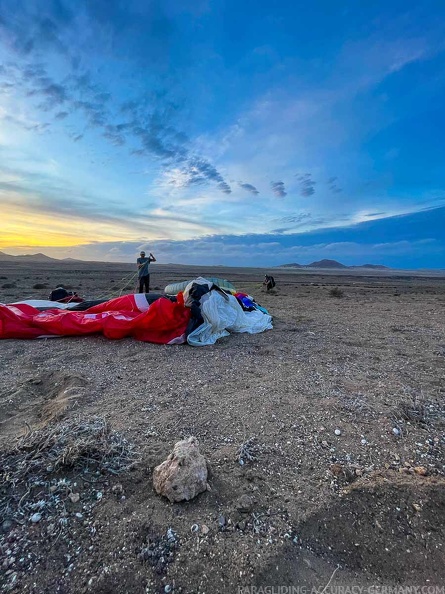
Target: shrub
<point>40,286</point>
<point>9,286</point>
<point>336,292</point>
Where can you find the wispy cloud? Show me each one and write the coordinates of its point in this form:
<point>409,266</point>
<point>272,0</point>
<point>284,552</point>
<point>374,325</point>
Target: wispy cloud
<point>306,184</point>
<point>278,189</point>
<point>249,188</point>
<point>333,185</point>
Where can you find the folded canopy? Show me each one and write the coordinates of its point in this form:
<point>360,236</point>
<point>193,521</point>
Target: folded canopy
<point>163,322</point>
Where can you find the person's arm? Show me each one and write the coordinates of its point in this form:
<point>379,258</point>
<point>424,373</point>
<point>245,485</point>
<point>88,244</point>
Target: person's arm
<point>152,258</point>
<point>139,264</point>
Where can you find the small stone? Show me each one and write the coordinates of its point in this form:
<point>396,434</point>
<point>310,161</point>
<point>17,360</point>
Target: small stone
<point>222,521</point>
<point>6,526</point>
<point>421,470</point>
<point>245,503</point>
<point>337,432</point>
<point>396,430</point>
<point>336,469</point>
<point>74,497</point>
<point>205,529</point>
<point>194,528</point>
<point>363,441</point>
<point>167,588</point>
<point>99,495</point>
<point>36,518</point>
<point>417,507</point>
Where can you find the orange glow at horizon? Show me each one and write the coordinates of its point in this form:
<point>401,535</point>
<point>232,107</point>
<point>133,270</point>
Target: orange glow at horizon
<point>24,228</point>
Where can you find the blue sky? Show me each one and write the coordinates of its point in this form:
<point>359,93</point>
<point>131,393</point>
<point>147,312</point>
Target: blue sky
<point>224,133</point>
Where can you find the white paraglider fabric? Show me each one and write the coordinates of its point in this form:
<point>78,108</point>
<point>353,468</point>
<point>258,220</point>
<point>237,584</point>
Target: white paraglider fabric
<point>222,315</point>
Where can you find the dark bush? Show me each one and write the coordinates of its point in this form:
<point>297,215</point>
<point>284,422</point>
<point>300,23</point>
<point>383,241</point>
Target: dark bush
<point>336,292</point>
<point>40,286</point>
<point>9,286</point>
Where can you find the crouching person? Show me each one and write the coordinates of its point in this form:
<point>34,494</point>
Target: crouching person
<point>269,282</point>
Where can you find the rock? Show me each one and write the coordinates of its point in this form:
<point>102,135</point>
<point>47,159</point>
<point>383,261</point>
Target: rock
<point>6,526</point>
<point>36,518</point>
<point>336,469</point>
<point>205,529</point>
<point>118,489</point>
<point>184,474</point>
<point>222,521</point>
<point>74,497</point>
<point>245,504</point>
<point>421,470</point>
<point>337,432</point>
<point>396,431</point>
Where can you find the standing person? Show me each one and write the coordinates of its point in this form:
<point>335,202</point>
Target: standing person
<point>144,272</point>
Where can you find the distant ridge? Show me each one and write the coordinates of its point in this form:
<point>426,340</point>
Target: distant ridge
<point>26,258</point>
<point>332,264</point>
<point>326,264</point>
<point>375,266</point>
<point>293,265</point>
<point>6,257</point>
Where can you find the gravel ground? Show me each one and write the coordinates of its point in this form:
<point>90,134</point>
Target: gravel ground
<point>341,408</point>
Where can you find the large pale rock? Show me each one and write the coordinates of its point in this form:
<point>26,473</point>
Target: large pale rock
<point>184,474</point>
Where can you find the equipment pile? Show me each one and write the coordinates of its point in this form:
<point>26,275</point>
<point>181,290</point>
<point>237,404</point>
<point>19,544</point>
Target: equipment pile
<point>200,313</point>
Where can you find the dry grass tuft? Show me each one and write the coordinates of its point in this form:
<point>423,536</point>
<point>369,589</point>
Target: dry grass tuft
<point>248,451</point>
<point>27,480</point>
<point>423,412</point>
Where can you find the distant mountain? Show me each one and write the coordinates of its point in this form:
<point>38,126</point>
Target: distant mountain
<point>326,264</point>
<point>374,266</point>
<point>26,258</point>
<point>293,265</point>
<point>333,264</point>
<point>6,257</point>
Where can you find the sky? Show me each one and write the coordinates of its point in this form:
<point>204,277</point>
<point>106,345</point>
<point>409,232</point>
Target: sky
<point>224,133</point>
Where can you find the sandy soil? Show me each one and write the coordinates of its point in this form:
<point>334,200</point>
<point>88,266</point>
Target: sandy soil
<point>364,507</point>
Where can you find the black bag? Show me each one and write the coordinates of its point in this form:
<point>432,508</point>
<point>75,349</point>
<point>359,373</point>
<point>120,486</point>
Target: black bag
<point>59,293</point>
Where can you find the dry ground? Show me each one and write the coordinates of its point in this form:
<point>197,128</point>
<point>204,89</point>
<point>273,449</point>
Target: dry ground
<point>367,504</point>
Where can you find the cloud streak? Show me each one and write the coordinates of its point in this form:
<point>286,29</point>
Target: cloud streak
<point>306,185</point>
<point>249,188</point>
<point>278,189</point>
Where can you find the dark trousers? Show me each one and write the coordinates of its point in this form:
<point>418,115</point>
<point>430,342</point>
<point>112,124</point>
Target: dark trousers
<point>144,281</point>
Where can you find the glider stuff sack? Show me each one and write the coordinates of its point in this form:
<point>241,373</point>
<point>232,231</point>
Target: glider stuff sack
<point>175,288</point>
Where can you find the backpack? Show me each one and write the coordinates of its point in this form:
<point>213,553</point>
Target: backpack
<point>59,293</point>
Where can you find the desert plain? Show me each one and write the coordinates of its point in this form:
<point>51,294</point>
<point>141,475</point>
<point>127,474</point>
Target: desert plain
<point>325,440</point>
